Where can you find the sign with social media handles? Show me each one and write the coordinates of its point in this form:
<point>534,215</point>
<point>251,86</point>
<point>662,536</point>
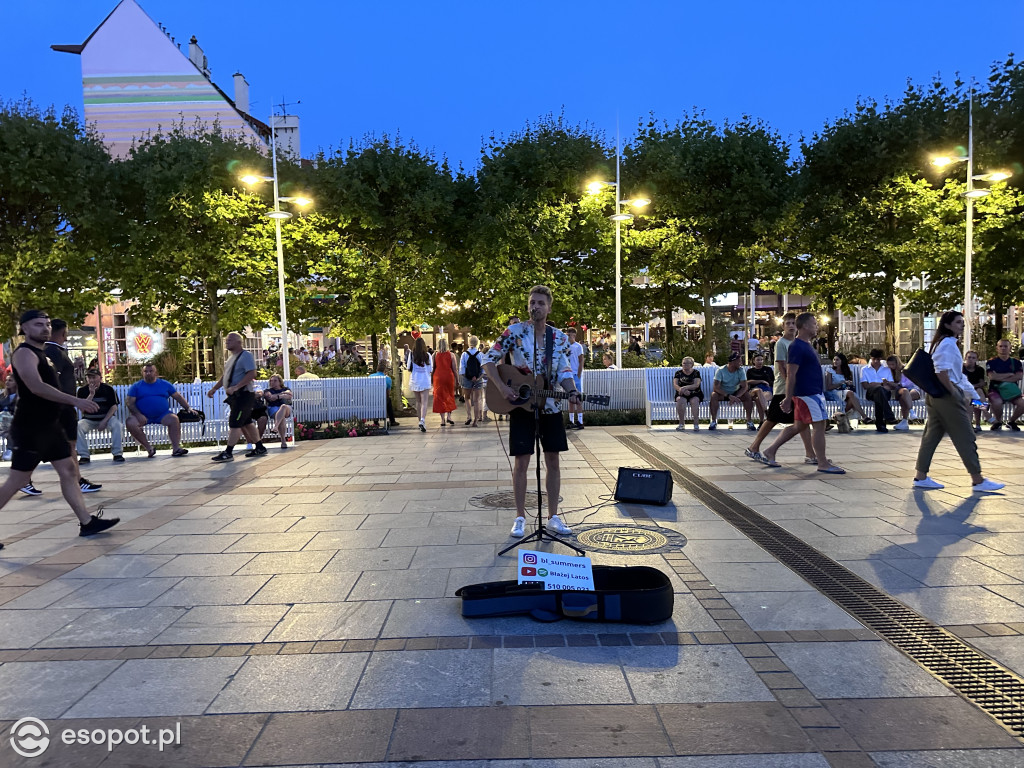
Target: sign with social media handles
<point>556,571</point>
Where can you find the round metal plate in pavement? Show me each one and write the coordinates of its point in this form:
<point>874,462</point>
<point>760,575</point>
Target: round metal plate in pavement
<point>628,539</point>
<point>504,500</point>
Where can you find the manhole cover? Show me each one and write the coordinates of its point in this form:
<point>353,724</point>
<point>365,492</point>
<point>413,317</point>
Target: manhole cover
<point>628,539</point>
<point>505,500</point>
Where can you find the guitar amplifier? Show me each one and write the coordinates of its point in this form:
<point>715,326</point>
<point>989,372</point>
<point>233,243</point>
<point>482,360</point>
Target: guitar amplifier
<point>644,486</point>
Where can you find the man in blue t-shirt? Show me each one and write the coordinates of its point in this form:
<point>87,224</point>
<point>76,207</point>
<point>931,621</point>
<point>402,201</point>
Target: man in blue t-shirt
<point>147,404</point>
<point>382,372</point>
<point>805,386</point>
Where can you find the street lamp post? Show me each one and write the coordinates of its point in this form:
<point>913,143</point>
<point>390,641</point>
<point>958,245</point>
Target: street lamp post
<point>278,216</point>
<point>970,196</point>
<point>618,217</point>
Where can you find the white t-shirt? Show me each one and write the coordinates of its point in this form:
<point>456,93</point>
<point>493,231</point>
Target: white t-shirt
<point>868,375</point>
<point>575,351</point>
<point>753,344</point>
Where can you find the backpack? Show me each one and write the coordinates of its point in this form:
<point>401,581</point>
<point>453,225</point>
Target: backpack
<point>473,365</point>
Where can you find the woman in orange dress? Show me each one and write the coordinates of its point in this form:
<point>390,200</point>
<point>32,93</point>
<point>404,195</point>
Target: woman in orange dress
<point>444,377</point>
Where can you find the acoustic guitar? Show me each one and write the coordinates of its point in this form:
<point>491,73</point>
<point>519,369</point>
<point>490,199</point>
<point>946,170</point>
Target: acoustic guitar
<point>522,383</point>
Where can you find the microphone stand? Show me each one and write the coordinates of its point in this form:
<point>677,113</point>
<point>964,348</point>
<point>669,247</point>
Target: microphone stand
<point>540,533</point>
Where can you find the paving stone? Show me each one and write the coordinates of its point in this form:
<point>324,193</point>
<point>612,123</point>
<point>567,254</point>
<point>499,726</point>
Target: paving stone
<point>559,676</point>
<point>918,723</point>
<point>114,626</point>
<point>47,689</point>
<point>466,733</point>
<point>213,742</point>
<point>732,728</point>
<point>223,624</point>
<point>691,673</point>
<point>323,737</point>
<point>599,731</point>
<point>413,679</point>
<point>308,682</point>
<point>791,760</point>
<point>331,621</point>
<point>155,687</point>
<point>952,758</point>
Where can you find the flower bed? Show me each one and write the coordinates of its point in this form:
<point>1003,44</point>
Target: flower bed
<point>309,430</point>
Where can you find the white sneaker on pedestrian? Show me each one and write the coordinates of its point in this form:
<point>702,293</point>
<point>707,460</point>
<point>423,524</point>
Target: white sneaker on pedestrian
<point>987,485</point>
<point>903,426</point>
<point>928,484</point>
<point>555,524</point>
<point>519,528</point>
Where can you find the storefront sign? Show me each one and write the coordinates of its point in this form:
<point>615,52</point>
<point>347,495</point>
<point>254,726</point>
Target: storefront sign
<point>143,343</point>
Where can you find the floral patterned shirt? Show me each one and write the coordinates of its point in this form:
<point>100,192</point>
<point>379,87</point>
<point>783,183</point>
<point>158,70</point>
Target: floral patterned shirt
<point>519,339</point>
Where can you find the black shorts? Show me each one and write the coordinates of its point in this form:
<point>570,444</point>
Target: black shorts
<point>258,412</point>
<point>69,422</point>
<point>242,404</point>
<point>775,412</point>
<point>36,443</point>
<point>696,393</point>
<point>521,431</point>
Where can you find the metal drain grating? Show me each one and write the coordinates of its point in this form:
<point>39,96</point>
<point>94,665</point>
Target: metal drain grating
<point>990,686</point>
<point>505,500</point>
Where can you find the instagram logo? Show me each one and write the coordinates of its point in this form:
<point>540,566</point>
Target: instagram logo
<point>531,559</point>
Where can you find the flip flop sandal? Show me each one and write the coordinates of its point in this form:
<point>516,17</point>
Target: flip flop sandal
<point>151,453</point>
<point>833,470</point>
<point>768,462</point>
<point>755,455</point>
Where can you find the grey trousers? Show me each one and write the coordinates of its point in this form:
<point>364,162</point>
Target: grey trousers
<point>947,416</point>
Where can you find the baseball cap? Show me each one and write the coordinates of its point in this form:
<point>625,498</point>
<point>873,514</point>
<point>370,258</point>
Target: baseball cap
<point>734,356</point>
<point>32,314</point>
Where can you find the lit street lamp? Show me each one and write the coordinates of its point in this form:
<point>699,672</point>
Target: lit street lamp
<point>970,196</point>
<point>278,216</point>
<point>618,217</point>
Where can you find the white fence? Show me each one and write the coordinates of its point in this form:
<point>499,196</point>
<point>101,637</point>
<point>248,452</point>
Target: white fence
<point>626,388</point>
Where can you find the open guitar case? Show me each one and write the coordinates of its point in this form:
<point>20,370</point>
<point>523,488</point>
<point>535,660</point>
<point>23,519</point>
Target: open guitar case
<point>630,595</point>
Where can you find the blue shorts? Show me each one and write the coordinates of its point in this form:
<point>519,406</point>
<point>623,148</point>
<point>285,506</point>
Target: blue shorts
<point>272,410</point>
<point>834,396</point>
<point>155,418</point>
<point>577,382</point>
<point>467,384</point>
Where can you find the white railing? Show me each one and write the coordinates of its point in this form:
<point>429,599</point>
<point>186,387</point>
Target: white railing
<point>625,388</point>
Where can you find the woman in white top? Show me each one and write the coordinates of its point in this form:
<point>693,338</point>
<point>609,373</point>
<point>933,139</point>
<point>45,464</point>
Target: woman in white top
<point>950,414</point>
<point>419,379</point>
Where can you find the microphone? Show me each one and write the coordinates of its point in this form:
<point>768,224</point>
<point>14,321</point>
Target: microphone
<point>535,314</point>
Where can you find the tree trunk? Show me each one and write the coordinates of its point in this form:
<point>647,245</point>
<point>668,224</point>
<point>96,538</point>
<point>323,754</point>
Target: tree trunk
<point>373,351</point>
<point>396,389</point>
<point>891,342</point>
<point>830,309</point>
<point>999,308</point>
<point>669,324</point>
<point>709,321</point>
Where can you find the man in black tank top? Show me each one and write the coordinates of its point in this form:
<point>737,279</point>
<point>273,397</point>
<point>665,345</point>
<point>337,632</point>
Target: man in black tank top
<point>35,431</point>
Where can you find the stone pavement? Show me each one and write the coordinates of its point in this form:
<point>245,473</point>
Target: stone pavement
<point>300,610</point>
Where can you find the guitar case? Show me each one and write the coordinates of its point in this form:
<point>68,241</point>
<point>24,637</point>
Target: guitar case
<point>630,595</point>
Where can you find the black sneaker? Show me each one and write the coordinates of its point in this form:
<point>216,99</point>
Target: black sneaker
<point>119,457</point>
<point>88,487</point>
<point>255,453</point>
<point>83,460</point>
<point>579,425</point>
<point>97,524</point>
<point>996,426</point>
<point>1013,425</point>
<point>31,490</point>
<point>223,456</point>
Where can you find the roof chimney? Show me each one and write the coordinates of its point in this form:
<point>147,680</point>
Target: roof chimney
<point>197,57</point>
<point>241,93</point>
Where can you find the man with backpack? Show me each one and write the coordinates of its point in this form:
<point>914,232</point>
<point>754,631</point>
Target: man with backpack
<point>471,375</point>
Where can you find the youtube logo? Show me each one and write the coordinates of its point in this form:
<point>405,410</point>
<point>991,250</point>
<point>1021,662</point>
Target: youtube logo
<point>528,571</point>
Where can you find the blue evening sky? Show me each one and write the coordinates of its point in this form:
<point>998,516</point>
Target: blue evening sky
<point>448,74</point>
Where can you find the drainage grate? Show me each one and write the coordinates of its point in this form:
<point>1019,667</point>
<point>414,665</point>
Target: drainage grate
<point>978,678</point>
<point>504,500</point>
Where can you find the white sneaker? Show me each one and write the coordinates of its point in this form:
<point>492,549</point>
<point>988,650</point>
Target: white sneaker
<point>555,524</point>
<point>903,426</point>
<point>854,423</point>
<point>928,484</point>
<point>988,485</point>
<point>696,427</point>
<point>519,529</point>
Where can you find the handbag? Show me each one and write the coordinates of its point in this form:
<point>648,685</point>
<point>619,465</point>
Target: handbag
<point>192,416</point>
<point>921,371</point>
<point>1007,390</point>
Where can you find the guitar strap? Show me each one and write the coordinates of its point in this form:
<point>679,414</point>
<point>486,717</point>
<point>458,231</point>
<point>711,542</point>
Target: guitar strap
<point>549,354</point>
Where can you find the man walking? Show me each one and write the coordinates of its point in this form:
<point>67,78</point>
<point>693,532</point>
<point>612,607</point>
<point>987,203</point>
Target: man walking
<point>520,339</point>
<point>56,350</point>
<point>237,382</point>
<point>36,432</point>
<point>805,397</point>
<point>576,364</point>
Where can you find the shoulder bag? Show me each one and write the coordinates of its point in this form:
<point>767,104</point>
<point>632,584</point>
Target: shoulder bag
<point>921,371</point>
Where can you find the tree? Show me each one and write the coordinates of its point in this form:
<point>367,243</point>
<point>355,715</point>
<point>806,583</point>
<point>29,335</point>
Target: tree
<point>533,222</point>
<point>388,202</point>
<point>55,208</point>
<point>717,192</point>
<point>197,253</point>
